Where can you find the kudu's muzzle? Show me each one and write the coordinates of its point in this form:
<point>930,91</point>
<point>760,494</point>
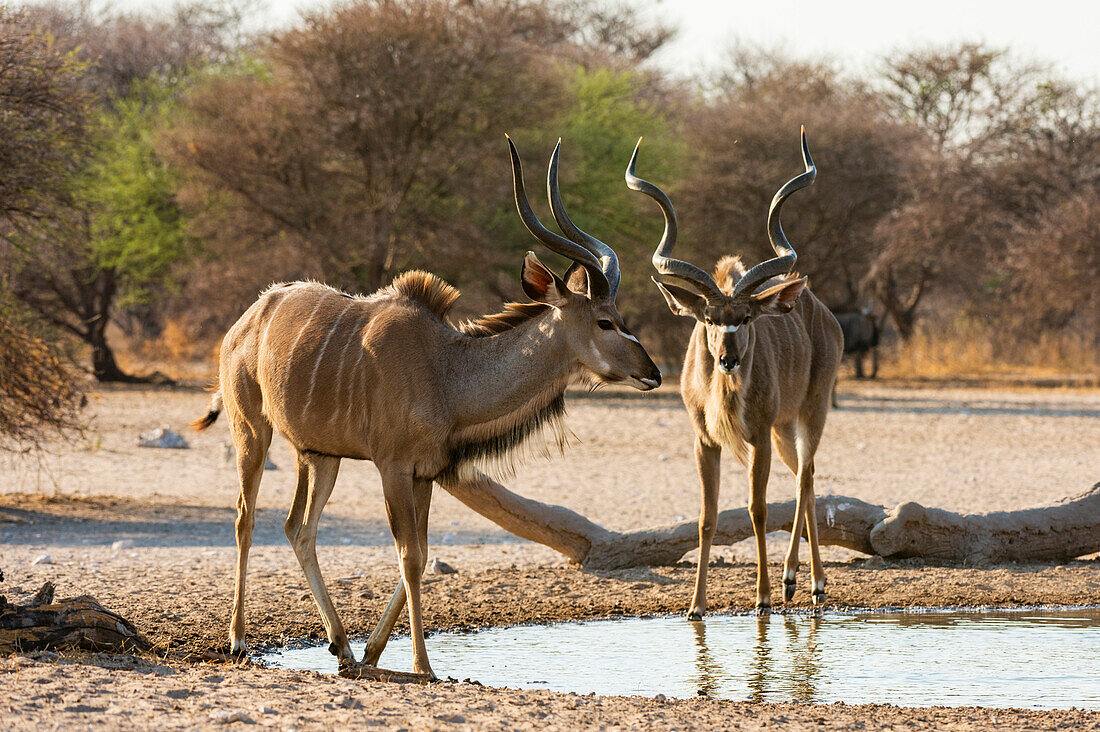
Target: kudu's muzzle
<point>728,363</point>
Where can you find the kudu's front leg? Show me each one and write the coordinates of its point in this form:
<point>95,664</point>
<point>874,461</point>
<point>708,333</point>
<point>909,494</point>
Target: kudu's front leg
<point>316,477</point>
<point>708,461</point>
<point>758,513</point>
<point>403,496</point>
<point>380,636</point>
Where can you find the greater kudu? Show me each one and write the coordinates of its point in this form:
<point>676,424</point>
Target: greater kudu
<point>746,376</point>
<point>388,378</point>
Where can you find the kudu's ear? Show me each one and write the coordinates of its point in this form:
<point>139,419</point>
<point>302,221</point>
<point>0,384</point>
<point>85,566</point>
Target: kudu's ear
<point>779,299</point>
<point>542,285</point>
<point>576,279</point>
<point>681,301</point>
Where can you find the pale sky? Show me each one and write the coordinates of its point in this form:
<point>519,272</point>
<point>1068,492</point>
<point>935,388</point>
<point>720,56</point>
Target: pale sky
<point>859,31</point>
<point>856,32</point>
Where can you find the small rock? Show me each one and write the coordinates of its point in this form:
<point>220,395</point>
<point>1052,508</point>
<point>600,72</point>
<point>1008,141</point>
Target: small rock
<point>452,718</point>
<point>163,437</point>
<point>229,717</point>
<point>268,710</point>
<point>43,559</point>
<point>366,595</point>
<point>662,458</point>
<point>440,567</point>
<point>660,698</point>
<point>122,544</point>
<point>875,562</point>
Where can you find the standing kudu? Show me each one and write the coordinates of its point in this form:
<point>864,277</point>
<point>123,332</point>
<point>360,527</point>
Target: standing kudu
<point>746,375</point>
<point>388,378</point>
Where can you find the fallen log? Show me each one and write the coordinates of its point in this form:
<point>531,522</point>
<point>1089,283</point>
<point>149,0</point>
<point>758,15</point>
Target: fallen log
<point>76,623</point>
<point>1059,531</point>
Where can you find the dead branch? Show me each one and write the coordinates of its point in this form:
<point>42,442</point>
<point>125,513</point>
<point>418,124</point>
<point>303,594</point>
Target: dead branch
<point>76,623</point>
<point>1061,530</point>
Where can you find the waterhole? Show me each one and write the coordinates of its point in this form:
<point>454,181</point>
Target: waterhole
<point>1037,658</point>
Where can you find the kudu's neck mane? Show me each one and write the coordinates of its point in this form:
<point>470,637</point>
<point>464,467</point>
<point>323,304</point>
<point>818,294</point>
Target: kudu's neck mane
<point>514,315</point>
<point>510,379</point>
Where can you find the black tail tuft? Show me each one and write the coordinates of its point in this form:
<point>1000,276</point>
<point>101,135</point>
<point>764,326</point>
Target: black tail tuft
<point>211,415</point>
<point>203,422</point>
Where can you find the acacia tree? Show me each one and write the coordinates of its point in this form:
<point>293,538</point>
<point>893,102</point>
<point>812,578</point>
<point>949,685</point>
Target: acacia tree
<point>367,140</point>
<point>108,245</point>
<point>1007,143</point>
<point>41,141</point>
<point>371,139</point>
<point>46,109</point>
<point>113,230</point>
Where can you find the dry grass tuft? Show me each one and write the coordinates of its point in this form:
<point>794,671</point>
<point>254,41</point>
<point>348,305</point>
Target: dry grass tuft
<point>973,348</point>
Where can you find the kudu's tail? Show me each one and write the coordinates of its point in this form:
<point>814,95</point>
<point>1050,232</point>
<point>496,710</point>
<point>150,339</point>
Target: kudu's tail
<point>211,414</point>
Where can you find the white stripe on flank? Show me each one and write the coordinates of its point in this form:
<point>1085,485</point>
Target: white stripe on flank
<point>320,355</point>
<point>358,338</point>
<point>340,372</point>
<point>263,340</point>
<point>290,353</point>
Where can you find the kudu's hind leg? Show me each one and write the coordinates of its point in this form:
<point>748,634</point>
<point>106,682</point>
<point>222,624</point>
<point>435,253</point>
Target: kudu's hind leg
<point>708,462</point>
<point>316,477</point>
<point>404,496</point>
<point>381,634</point>
<point>251,443</point>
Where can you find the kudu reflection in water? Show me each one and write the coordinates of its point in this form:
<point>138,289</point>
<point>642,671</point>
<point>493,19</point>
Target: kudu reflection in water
<point>767,679</point>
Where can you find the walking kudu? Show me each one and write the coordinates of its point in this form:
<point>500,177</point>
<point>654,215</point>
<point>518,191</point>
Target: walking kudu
<point>746,376</point>
<point>388,378</point>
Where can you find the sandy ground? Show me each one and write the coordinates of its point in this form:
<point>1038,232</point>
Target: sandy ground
<point>961,449</point>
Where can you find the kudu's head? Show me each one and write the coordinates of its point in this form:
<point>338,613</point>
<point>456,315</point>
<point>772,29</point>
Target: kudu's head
<point>584,301</point>
<point>727,305</point>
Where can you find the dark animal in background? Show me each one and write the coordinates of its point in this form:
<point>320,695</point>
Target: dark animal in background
<point>861,336</point>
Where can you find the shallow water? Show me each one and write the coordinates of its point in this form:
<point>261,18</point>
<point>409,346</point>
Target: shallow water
<point>1037,658</point>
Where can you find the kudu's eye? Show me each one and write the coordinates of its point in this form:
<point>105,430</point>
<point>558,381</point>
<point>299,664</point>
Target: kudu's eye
<point>605,324</point>
<point>745,320</point>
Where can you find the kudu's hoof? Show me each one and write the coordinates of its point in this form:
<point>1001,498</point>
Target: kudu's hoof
<point>355,670</point>
<point>819,598</point>
<point>695,616</point>
<point>763,608</point>
<point>788,590</point>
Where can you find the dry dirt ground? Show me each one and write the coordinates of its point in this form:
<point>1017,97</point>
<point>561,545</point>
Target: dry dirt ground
<point>958,448</point>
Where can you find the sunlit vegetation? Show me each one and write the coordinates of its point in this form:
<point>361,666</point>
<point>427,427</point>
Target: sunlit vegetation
<point>162,169</point>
